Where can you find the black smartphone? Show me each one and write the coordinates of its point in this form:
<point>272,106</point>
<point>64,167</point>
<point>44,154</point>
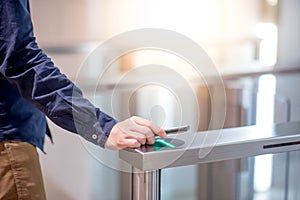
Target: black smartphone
<point>177,129</point>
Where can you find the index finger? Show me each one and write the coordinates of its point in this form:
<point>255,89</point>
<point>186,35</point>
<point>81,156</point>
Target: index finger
<point>155,129</point>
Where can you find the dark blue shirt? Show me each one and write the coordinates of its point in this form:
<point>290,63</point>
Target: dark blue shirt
<point>32,87</point>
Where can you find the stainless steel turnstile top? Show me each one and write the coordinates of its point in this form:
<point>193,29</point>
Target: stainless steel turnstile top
<point>215,145</point>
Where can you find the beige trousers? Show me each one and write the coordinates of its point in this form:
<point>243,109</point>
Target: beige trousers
<point>20,172</point>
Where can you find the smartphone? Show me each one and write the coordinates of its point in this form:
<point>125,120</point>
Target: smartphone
<point>177,129</point>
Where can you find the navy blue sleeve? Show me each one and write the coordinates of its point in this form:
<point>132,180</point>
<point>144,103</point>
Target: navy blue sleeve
<point>24,64</point>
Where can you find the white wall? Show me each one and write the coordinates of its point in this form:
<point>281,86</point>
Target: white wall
<point>289,35</point>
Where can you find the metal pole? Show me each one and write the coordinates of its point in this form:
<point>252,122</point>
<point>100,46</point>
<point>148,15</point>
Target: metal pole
<point>145,184</point>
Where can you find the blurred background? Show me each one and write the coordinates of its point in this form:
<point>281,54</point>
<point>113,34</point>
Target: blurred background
<point>255,46</point>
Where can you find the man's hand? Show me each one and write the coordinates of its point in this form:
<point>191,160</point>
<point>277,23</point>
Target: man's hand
<point>133,132</point>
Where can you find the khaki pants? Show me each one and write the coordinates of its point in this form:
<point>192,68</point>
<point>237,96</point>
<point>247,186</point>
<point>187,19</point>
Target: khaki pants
<point>20,172</point>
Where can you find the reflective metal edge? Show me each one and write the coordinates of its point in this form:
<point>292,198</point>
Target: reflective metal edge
<point>232,143</point>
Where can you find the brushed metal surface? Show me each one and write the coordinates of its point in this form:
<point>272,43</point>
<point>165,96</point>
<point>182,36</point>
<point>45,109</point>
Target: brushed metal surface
<point>145,185</point>
<point>216,145</point>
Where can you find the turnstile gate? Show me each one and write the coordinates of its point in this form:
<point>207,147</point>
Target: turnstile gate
<point>205,147</point>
